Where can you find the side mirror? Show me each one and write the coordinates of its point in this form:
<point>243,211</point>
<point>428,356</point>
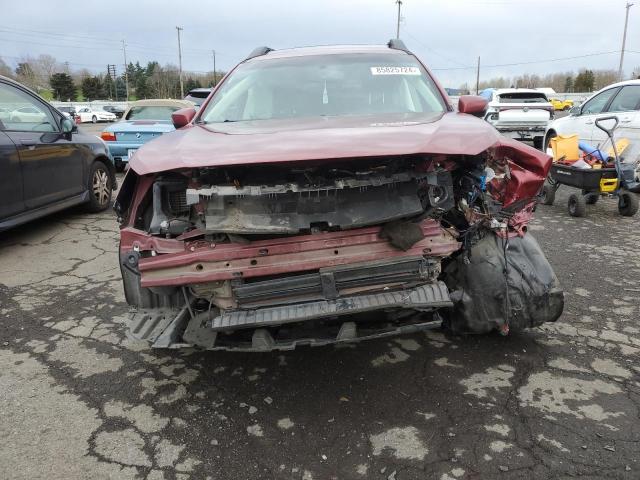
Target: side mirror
<point>472,104</point>
<point>575,111</point>
<point>183,117</point>
<point>68,126</point>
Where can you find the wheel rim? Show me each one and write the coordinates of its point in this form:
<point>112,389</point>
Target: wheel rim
<point>101,186</point>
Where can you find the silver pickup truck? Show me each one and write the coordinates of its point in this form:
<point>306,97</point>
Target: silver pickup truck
<point>519,113</point>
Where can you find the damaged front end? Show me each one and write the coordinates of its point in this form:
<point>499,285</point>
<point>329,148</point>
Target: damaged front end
<point>271,256</point>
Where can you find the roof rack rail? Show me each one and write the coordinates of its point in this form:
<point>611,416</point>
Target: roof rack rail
<point>258,52</point>
<point>398,44</point>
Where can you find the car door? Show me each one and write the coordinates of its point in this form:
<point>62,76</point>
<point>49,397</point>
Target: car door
<point>11,198</point>
<point>625,106</point>
<point>592,109</point>
<point>85,114</point>
<point>52,165</point>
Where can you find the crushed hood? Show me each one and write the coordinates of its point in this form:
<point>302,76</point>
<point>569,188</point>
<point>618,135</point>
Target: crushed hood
<point>314,139</point>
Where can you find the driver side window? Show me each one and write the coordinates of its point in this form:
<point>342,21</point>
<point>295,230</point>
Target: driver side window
<point>21,112</point>
<point>597,103</point>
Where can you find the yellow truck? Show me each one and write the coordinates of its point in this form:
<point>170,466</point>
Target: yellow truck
<point>561,104</point>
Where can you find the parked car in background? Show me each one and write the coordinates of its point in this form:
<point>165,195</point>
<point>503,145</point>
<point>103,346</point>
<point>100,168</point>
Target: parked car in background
<point>69,111</point>
<point>144,120</point>
<point>331,194</point>
<point>198,95</point>
<point>117,110</point>
<point>519,113</point>
<point>621,100</point>
<point>88,114</point>
<point>561,104</point>
<point>5,113</point>
<point>26,115</point>
<point>46,164</point>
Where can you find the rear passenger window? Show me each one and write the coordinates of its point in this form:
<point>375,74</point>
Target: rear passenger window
<point>627,100</point>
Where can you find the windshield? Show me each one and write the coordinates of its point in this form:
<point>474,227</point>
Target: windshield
<point>325,85</point>
<point>151,113</point>
<point>522,97</point>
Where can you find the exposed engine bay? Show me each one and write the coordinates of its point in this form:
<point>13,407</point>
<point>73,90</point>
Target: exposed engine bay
<point>271,256</point>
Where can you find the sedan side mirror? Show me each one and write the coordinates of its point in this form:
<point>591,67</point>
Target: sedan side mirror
<point>472,104</point>
<point>183,117</point>
<point>575,111</point>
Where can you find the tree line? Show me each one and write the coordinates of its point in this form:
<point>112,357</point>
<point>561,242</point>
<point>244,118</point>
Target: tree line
<point>586,80</point>
<point>56,80</point>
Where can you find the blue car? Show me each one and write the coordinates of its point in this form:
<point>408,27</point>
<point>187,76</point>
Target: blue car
<point>143,121</point>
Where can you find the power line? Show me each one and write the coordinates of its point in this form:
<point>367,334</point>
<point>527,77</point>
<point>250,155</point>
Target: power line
<point>515,64</point>
<point>74,37</point>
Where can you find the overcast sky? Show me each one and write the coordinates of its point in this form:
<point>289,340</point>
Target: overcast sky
<point>447,35</point>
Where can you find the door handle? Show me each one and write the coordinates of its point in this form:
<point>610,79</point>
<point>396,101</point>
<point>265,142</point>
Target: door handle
<point>28,143</point>
<point>625,120</point>
<point>588,122</point>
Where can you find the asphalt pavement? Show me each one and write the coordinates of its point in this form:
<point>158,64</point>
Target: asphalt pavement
<point>78,399</point>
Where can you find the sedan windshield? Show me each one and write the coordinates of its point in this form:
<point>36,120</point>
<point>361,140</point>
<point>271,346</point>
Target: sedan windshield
<point>325,85</point>
<point>151,113</point>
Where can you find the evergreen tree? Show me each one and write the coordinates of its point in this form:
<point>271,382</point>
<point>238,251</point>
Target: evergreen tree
<point>92,88</point>
<point>63,87</point>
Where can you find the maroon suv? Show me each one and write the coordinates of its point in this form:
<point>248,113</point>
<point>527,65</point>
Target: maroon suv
<point>331,194</point>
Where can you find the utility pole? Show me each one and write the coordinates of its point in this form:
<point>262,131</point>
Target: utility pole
<point>215,80</point>
<point>399,2</point>
<point>126,73</point>
<point>180,61</point>
<point>624,39</point>
<point>478,77</point>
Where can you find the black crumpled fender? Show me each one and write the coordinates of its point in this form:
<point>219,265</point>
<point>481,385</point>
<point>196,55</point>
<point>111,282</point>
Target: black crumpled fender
<point>478,284</point>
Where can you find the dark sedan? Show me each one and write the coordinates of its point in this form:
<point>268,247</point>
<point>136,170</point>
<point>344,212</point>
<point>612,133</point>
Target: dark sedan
<point>46,163</point>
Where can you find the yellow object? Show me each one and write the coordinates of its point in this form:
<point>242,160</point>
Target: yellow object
<point>565,147</point>
<point>608,185</point>
<point>561,104</point>
<point>621,145</point>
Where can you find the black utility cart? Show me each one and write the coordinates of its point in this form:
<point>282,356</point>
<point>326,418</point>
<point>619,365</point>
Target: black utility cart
<point>616,181</point>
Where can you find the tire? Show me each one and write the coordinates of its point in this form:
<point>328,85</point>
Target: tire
<point>119,164</point>
<point>94,119</point>
<point>627,204</point>
<point>551,134</point>
<point>591,198</point>
<point>100,188</point>
<point>577,205</point>
<point>566,107</point>
<point>548,194</point>
<point>538,142</point>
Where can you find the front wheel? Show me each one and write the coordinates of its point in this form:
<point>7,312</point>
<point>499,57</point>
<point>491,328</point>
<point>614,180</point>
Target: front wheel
<point>577,205</point>
<point>538,142</point>
<point>94,119</point>
<point>627,204</point>
<point>100,188</point>
<point>548,194</point>
<point>547,140</point>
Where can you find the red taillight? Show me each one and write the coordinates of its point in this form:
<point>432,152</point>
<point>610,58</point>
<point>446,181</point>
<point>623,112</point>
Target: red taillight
<point>108,136</point>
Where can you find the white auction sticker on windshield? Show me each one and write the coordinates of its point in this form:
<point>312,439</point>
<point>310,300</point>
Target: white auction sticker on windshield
<point>395,71</point>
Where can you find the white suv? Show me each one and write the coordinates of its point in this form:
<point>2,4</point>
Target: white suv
<point>520,113</point>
